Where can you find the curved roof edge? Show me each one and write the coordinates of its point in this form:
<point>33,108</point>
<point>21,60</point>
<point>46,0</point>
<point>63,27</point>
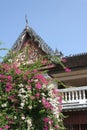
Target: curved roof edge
<point>41,43</point>
<point>76,55</point>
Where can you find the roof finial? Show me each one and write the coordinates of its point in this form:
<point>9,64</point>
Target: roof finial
<point>26,20</point>
<point>58,53</point>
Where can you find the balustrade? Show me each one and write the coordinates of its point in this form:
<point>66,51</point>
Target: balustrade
<point>74,97</point>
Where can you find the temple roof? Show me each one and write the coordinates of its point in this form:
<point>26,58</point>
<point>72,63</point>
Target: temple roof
<point>37,39</point>
<point>75,61</point>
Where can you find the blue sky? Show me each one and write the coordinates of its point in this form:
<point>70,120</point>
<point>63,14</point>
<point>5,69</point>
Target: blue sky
<point>61,23</point>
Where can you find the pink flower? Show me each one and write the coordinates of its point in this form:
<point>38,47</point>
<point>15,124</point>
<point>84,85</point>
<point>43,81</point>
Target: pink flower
<point>60,99</point>
<point>46,119</point>
<point>10,122</point>
<point>29,81</point>
<point>44,61</point>
<point>60,108</point>
<point>67,70</point>
<point>18,71</point>
<point>38,86</point>
<point>55,91</point>
<point>7,117</point>
<point>8,87</point>
<point>50,122</point>
<point>37,95</point>
<point>41,78</point>
<point>29,87</point>
<point>63,60</point>
<point>32,97</point>
<point>6,127</point>
<point>46,104</point>
<point>50,65</point>
<point>11,97</point>
<point>9,78</point>
<point>56,126</point>
<point>2,76</point>
<point>45,128</point>
<point>35,71</point>
<point>1,129</point>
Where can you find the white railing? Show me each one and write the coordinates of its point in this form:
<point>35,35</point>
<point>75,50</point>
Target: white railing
<point>74,97</point>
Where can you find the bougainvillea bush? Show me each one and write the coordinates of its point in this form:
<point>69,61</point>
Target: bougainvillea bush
<point>28,99</point>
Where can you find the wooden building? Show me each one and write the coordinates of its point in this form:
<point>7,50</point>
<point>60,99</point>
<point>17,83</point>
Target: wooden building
<point>75,94</point>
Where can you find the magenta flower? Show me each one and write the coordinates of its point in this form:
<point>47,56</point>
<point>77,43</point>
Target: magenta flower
<point>17,71</point>
<point>8,87</point>
<point>38,86</point>
<point>46,104</point>
<point>45,128</point>
<point>29,87</point>
<point>9,78</point>
<point>42,78</point>
<point>11,97</point>
<point>46,119</point>
<point>55,91</point>
<point>35,71</point>
<point>7,127</point>
<point>56,126</point>
<point>50,122</point>
<point>67,70</point>
<point>60,99</point>
<point>37,95</point>
<point>29,81</point>
<point>2,76</point>
<point>1,129</point>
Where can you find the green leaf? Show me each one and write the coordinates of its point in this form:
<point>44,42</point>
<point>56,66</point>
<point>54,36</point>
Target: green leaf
<point>42,111</point>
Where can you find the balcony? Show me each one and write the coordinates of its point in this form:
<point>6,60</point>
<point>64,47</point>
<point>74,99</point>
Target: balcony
<point>74,98</point>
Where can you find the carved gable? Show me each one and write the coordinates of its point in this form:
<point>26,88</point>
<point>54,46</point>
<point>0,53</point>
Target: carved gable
<point>31,44</point>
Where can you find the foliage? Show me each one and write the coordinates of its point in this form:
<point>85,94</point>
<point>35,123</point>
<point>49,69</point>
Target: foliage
<point>28,100</point>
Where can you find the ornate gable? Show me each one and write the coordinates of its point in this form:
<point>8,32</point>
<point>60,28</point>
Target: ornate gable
<point>36,45</point>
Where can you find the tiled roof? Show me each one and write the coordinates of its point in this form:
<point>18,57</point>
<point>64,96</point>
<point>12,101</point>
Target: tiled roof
<point>73,61</point>
<point>79,60</point>
<point>41,43</point>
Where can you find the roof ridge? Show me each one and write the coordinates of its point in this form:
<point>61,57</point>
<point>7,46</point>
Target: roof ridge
<point>75,55</point>
<point>44,46</point>
<point>42,42</point>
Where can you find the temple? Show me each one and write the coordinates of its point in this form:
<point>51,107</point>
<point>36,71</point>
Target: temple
<point>75,93</point>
